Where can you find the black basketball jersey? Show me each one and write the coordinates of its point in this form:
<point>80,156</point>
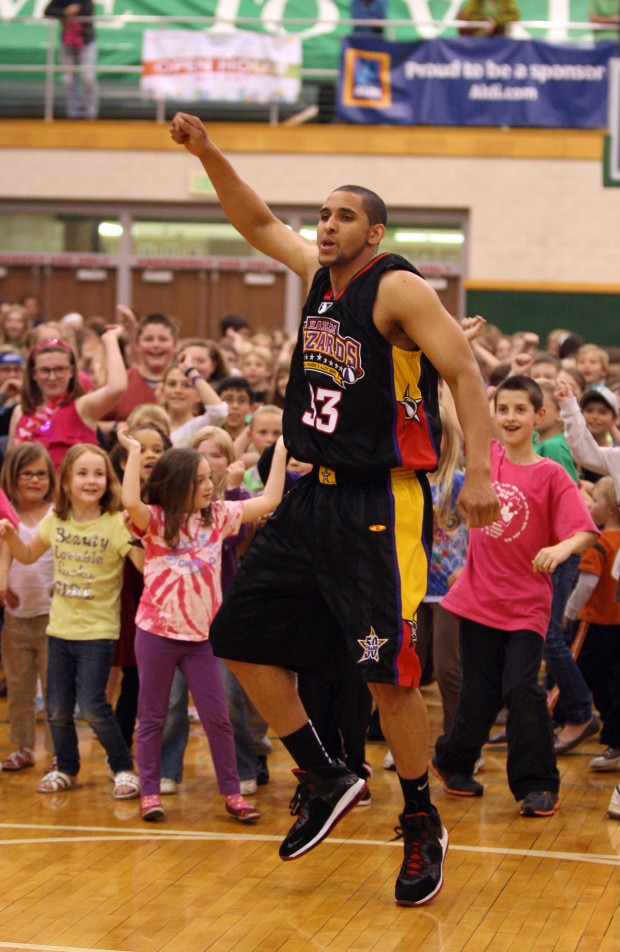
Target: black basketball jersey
<point>355,402</point>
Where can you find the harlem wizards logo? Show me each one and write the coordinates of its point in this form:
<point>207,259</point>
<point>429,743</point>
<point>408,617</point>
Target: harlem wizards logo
<point>328,352</point>
<point>371,646</point>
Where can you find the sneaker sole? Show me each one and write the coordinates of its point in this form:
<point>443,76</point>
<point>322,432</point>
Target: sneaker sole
<point>153,816</point>
<point>613,815</point>
<point>422,902</point>
<point>346,803</point>
<point>535,813</point>
<point>449,790</point>
<point>604,767</point>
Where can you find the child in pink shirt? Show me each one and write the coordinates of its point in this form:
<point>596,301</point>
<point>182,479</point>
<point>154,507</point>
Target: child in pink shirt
<point>503,598</point>
<point>183,531</point>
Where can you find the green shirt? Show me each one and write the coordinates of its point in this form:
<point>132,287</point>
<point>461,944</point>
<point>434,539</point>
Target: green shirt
<point>556,448</point>
<point>605,8</point>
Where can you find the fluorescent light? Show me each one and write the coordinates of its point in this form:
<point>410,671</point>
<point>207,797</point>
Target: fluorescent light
<point>410,236</point>
<point>110,229</point>
<point>430,237</point>
<point>446,238</point>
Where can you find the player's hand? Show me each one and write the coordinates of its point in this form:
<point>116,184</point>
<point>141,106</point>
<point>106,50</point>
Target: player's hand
<point>189,131</point>
<point>478,502</point>
<point>6,528</point>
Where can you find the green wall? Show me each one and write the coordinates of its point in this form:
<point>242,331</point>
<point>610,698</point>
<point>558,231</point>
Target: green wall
<point>596,317</point>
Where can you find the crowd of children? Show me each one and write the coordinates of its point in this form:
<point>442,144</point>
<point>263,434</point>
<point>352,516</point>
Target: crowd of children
<point>108,590</point>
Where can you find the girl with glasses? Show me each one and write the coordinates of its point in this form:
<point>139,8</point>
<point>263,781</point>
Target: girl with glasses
<point>26,592</point>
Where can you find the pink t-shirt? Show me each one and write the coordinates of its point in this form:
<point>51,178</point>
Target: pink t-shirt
<point>540,506</point>
<point>183,586</point>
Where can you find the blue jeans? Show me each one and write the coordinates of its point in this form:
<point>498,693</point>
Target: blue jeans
<point>176,733</point>
<point>78,671</point>
<point>248,763</point>
<point>575,698</point>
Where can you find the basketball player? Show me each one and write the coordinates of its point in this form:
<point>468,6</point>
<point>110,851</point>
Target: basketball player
<point>341,566</point>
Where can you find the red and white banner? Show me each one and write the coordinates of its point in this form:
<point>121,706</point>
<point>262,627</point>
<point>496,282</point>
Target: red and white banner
<point>241,66</point>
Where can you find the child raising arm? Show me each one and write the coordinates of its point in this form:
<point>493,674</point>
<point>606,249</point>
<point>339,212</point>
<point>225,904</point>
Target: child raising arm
<point>183,530</point>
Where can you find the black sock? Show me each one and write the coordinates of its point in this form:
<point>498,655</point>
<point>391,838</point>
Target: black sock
<point>306,749</point>
<point>417,794</point>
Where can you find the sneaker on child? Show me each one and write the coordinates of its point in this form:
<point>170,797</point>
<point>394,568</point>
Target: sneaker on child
<point>457,784</point>
<point>540,803</point>
<point>613,810</point>
<point>608,760</point>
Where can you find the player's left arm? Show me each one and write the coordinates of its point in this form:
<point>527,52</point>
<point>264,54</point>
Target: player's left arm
<point>407,307</point>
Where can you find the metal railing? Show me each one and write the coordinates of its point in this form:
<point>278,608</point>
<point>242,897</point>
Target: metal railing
<point>556,31</point>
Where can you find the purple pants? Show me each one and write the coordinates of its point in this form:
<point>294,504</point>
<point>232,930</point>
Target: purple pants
<point>157,659</point>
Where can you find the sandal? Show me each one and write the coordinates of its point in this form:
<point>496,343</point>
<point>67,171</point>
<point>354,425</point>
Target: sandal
<point>126,786</point>
<point>56,782</point>
<point>20,758</point>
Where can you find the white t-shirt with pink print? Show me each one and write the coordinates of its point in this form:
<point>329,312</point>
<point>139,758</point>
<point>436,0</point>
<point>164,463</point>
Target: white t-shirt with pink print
<point>183,585</point>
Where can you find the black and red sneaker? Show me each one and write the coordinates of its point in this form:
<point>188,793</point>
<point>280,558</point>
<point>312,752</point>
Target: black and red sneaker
<point>319,803</point>
<point>426,844</point>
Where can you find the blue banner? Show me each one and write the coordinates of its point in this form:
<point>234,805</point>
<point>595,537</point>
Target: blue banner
<point>474,82</point>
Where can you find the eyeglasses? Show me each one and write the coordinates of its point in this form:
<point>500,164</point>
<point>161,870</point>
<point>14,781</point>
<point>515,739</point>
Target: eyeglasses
<point>52,371</point>
<point>241,400</point>
<point>28,475</point>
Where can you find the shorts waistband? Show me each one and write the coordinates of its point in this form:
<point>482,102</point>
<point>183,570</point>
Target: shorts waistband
<point>336,477</point>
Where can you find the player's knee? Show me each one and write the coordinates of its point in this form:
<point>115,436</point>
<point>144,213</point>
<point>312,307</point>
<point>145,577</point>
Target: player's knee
<point>390,698</point>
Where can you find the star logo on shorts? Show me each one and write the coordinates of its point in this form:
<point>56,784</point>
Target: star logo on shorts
<point>411,406</point>
<point>413,628</point>
<point>371,646</point>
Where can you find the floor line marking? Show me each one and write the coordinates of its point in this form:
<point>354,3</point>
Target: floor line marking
<point>169,835</point>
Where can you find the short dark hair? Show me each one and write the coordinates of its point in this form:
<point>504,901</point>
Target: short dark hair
<point>373,204</point>
<point>527,384</point>
<point>235,383</point>
<point>236,322</point>
<point>156,318</point>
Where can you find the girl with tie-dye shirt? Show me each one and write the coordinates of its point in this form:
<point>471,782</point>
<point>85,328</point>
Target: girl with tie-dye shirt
<point>183,531</point>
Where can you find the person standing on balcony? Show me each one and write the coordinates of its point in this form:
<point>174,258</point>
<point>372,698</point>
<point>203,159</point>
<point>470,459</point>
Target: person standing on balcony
<point>496,14</point>
<point>78,49</point>
<point>368,10</point>
<point>606,13</point>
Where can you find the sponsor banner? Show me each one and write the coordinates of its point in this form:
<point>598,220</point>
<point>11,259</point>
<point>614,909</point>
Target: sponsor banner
<point>474,82</point>
<point>241,66</point>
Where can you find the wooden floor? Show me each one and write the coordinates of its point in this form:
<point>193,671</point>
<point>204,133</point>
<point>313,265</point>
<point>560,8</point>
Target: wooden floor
<point>80,871</point>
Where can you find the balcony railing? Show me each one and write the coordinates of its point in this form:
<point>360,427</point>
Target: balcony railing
<point>32,89</point>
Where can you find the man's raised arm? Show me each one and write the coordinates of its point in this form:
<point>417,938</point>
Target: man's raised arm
<point>245,210</point>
